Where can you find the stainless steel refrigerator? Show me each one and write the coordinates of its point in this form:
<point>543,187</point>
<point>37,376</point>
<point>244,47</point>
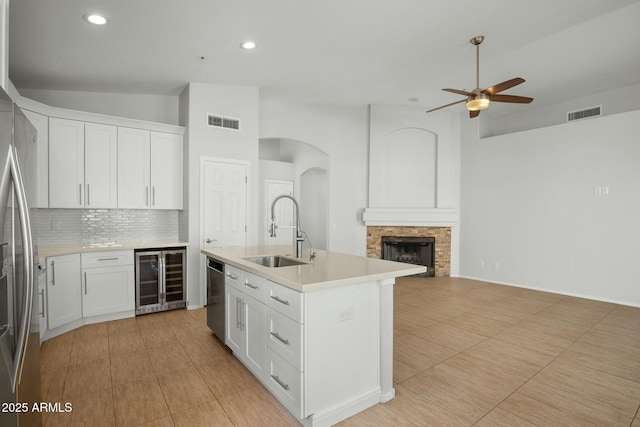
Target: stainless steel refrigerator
<point>19,320</point>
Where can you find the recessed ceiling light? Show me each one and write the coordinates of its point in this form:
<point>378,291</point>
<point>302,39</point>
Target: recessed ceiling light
<point>248,45</point>
<point>95,19</point>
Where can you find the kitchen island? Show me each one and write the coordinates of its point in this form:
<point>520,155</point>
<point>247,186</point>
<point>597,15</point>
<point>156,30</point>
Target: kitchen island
<point>318,335</point>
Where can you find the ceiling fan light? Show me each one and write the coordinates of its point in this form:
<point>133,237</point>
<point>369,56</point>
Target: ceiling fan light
<point>478,104</point>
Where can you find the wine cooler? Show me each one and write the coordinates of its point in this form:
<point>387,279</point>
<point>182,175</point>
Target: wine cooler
<point>160,279</point>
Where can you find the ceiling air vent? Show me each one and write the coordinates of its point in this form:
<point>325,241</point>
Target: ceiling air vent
<point>223,122</point>
<point>585,113</point>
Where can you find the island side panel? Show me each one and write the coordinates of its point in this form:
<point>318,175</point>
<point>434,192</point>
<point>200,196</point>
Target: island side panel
<point>386,339</point>
<point>342,350</point>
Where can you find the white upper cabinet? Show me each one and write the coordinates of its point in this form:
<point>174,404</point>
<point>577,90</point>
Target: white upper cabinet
<point>41,123</point>
<point>82,164</point>
<point>134,168</point>
<point>149,169</point>
<point>166,170</point>
<point>100,166</point>
<point>66,163</point>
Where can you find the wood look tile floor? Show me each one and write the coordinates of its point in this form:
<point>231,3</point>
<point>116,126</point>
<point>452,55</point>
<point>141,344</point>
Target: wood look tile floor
<point>467,353</point>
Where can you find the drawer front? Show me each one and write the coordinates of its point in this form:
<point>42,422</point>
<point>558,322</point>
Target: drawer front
<point>106,259</point>
<point>285,382</point>
<point>284,337</point>
<point>234,277</point>
<point>285,300</point>
<point>254,286</point>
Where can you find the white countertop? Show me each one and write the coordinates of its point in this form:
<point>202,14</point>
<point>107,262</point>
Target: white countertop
<point>74,248</point>
<point>327,270</point>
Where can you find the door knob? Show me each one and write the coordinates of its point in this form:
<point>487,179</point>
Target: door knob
<point>210,241</point>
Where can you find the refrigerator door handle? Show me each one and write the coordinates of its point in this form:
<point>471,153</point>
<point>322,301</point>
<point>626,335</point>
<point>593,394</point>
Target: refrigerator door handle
<point>25,229</point>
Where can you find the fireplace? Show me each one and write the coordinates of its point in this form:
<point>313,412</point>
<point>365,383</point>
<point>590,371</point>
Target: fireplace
<point>439,235</point>
<point>412,250</point>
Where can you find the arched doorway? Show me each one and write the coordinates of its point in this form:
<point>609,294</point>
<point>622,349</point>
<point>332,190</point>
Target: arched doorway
<point>306,167</point>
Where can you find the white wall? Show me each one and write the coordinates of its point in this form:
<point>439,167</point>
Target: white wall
<point>202,140</point>
<point>406,137</point>
<point>533,117</point>
<point>154,108</point>
<point>528,204</point>
<point>342,133</point>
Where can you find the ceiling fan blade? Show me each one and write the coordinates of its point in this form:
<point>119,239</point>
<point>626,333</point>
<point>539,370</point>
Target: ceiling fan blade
<point>511,98</point>
<point>459,92</point>
<point>503,86</point>
<point>473,114</point>
<point>445,106</point>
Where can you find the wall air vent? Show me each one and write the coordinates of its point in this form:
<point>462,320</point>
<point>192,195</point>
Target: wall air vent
<point>584,113</point>
<point>217,121</point>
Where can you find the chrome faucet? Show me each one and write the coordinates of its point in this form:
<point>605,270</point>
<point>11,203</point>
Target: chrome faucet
<point>299,233</point>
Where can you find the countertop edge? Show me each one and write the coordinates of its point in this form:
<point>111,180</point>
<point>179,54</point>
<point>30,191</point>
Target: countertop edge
<point>45,251</point>
<point>272,273</point>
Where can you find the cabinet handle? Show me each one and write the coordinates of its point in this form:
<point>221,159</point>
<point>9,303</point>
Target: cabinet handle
<point>232,277</point>
<point>108,259</point>
<point>153,195</point>
<point>146,190</point>
<point>88,196</point>
<point>279,338</point>
<point>281,301</point>
<point>248,284</point>
<point>42,295</point>
<point>53,273</point>
<point>85,283</point>
<point>238,313</point>
<point>80,193</point>
<point>280,382</point>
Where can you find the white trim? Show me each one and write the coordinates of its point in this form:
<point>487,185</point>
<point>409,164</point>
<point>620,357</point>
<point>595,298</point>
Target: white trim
<point>63,113</point>
<point>436,217</point>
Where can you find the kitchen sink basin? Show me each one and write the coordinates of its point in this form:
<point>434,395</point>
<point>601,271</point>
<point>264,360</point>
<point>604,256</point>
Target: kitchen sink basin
<point>274,261</point>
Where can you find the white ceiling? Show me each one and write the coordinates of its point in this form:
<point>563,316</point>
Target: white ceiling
<point>328,51</point>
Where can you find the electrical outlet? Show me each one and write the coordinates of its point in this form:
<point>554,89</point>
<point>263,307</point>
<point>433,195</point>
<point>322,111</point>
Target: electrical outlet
<point>605,191</point>
<point>496,265</point>
<point>597,191</point>
<point>346,314</point>
<point>481,263</point>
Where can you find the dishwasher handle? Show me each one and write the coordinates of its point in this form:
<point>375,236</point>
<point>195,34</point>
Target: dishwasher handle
<point>213,264</point>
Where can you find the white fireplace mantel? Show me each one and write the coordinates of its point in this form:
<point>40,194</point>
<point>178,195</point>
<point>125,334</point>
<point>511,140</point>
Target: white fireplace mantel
<point>411,217</point>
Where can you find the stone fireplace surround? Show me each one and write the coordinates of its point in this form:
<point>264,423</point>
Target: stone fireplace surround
<point>442,237</point>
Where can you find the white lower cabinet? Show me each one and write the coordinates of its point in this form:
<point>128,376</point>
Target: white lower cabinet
<point>86,288</point>
<point>317,352</point>
<point>64,301</point>
<point>285,382</point>
<point>108,282</point>
<point>245,327</point>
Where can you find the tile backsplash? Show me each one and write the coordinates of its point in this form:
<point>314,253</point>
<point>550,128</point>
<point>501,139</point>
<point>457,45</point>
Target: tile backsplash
<point>103,226</point>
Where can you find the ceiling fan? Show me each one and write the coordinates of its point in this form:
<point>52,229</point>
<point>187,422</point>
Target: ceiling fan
<point>479,99</point>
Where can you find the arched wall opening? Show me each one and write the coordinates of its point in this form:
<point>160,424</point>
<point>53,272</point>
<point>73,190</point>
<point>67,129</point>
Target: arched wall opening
<point>297,168</point>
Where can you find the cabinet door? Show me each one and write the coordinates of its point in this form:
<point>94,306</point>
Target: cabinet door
<point>42,301</point>
<point>166,171</point>
<point>63,290</point>
<point>108,290</point>
<point>255,345</point>
<point>100,166</point>
<point>41,123</point>
<point>66,163</point>
<point>134,162</point>
<point>234,335</point>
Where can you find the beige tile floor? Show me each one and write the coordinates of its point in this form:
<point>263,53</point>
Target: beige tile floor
<point>466,353</point>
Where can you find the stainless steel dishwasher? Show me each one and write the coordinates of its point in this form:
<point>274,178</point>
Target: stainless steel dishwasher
<point>215,297</point>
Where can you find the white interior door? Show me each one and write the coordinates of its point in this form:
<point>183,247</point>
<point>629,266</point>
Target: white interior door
<point>284,212</point>
<point>224,203</point>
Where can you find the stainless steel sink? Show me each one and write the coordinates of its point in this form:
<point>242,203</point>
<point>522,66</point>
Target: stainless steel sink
<point>274,261</point>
